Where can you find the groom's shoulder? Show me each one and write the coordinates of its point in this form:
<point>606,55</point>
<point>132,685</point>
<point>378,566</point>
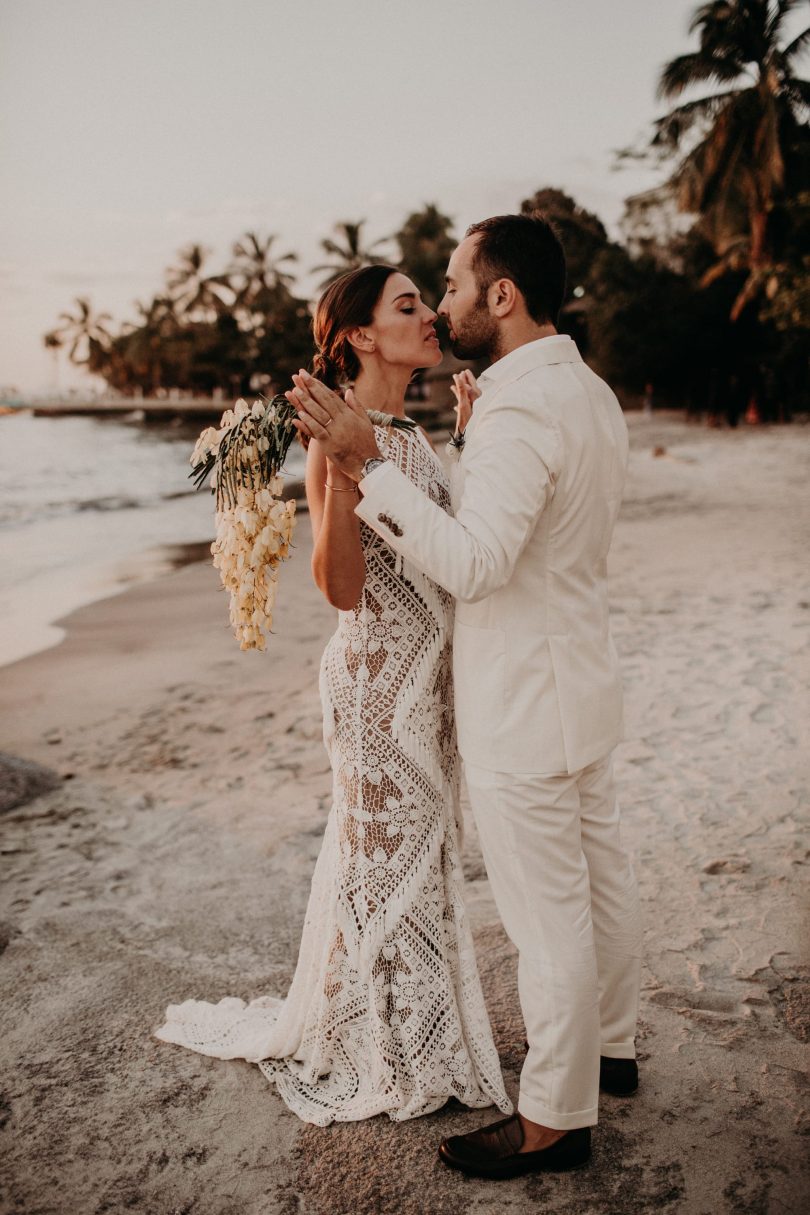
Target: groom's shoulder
<point>528,396</point>
<point>548,400</point>
<point>538,390</point>
<point>554,384</point>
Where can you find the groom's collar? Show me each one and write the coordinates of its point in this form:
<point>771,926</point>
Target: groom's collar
<point>559,348</point>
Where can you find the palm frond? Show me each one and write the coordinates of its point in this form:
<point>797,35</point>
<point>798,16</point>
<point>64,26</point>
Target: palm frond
<point>722,23</point>
<point>782,9</point>
<point>696,67</point>
<point>704,169</point>
<point>332,247</point>
<point>751,288</point>
<point>740,27</point>
<point>797,92</point>
<point>703,13</point>
<point>670,129</point>
<point>798,46</point>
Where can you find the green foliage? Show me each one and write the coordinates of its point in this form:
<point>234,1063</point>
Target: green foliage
<point>204,332</point>
<point>582,233</point>
<point>425,242</point>
<point>787,289</point>
<point>743,151</point>
<point>714,318</point>
<point>349,253</point>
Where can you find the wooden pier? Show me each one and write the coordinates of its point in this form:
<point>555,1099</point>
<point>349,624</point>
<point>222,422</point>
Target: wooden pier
<point>135,409</point>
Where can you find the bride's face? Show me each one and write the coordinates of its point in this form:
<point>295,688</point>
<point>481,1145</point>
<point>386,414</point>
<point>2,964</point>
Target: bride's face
<point>402,331</point>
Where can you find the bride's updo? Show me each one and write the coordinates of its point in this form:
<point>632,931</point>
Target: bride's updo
<point>345,304</point>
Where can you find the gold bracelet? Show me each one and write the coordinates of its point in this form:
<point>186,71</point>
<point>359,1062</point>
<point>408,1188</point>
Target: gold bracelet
<point>337,489</point>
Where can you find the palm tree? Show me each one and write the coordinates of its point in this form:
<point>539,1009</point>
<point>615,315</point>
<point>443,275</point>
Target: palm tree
<point>350,255</point>
<point>144,342</point>
<point>191,290</point>
<point>258,277</point>
<point>257,267</point>
<point>748,136</point>
<point>84,332</point>
<point>425,243</point>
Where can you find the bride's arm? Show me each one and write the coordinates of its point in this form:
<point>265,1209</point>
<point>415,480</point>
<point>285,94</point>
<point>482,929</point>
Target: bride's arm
<point>338,565</point>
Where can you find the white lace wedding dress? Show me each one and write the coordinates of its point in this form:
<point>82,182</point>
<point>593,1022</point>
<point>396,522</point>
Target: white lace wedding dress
<point>385,1012</point>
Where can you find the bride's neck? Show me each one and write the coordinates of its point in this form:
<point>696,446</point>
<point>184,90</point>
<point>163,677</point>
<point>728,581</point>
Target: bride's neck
<point>383,389</point>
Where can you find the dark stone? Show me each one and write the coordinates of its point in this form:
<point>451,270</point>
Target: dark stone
<point>6,933</point>
<point>21,781</point>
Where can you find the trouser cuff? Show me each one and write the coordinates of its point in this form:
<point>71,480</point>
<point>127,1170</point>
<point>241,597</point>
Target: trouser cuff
<point>618,1050</point>
<point>535,1111</point>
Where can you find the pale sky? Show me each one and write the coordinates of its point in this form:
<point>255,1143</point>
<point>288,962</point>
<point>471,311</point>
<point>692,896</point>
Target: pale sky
<point>133,127</point>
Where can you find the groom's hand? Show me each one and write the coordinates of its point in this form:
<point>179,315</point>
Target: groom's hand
<point>342,427</point>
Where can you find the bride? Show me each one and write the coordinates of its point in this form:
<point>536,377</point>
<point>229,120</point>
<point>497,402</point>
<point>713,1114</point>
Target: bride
<point>385,1013</point>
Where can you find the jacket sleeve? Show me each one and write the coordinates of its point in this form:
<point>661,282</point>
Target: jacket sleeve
<point>510,468</point>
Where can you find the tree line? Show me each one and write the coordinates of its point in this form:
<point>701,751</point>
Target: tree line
<point>230,329</point>
<point>704,302</point>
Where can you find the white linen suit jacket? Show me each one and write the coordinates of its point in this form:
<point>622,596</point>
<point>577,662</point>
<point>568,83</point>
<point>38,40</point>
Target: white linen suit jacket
<point>536,491</point>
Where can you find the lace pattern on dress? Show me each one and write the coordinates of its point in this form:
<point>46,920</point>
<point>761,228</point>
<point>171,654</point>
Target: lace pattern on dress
<point>385,1012</point>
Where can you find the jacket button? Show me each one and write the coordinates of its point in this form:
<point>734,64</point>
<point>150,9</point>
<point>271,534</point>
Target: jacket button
<point>393,527</point>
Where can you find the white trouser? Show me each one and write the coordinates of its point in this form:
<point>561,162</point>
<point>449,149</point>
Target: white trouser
<point>566,892</point>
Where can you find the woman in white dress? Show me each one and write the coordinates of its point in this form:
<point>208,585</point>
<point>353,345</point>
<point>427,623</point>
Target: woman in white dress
<point>385,1013</point>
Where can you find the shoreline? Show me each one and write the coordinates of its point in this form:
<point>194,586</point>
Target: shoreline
<point>29,633</point>
<point>173,860</point>
<point>31,629</point>
<point>146,566</point>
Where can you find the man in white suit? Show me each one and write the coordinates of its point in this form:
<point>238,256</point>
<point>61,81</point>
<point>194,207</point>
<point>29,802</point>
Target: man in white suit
<point>539,478</point>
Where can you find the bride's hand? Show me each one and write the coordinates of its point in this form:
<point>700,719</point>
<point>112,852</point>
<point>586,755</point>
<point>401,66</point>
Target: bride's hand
<point>337,479</point>
<point>466,392</point>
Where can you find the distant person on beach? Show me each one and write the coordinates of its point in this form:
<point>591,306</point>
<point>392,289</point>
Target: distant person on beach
<point>385,1013</point>
<point>647,401</point>
<point>538,478</point>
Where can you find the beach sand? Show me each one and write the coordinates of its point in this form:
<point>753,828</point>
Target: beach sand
<point>172,859</point>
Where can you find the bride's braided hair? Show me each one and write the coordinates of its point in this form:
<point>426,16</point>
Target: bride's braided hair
<point>345,304</point>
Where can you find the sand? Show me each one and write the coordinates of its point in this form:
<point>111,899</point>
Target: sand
<point>172,859</point>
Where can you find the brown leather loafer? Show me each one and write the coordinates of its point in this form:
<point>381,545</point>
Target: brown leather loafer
<point>494,1151</point>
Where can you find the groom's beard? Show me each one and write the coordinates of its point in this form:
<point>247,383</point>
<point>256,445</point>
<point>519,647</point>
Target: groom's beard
<point>477,336</point>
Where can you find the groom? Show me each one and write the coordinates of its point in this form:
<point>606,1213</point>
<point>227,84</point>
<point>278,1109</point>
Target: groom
<point>540,472</point>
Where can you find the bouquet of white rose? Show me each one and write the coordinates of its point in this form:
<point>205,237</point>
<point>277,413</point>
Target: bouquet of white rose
<point>254,527</point>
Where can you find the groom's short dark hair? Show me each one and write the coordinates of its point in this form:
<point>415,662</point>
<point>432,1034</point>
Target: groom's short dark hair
<point>527,250</point>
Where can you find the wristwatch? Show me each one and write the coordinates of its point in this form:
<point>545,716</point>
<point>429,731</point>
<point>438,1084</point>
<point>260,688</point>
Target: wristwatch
<point>372,463</point>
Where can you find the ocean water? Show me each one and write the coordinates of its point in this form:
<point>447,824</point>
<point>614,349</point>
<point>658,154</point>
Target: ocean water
<point>89,506</point>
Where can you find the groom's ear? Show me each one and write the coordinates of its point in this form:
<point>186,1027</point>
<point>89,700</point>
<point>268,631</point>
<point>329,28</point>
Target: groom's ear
<point>361,339</point>
<point>503,297</point>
